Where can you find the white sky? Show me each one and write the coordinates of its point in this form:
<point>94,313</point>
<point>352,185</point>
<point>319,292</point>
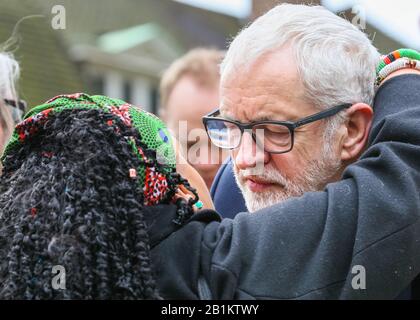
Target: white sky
<point>237,8</point>
<point>398,19</point>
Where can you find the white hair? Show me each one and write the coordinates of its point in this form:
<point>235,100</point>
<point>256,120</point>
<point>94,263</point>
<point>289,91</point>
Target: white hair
<point>9,74</point>
<point>335,60</point>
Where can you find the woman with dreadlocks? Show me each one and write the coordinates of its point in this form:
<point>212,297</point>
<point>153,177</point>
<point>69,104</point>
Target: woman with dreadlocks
<point>79,173</point>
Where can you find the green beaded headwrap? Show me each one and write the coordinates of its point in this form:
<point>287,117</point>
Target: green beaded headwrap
<point>153,134</point>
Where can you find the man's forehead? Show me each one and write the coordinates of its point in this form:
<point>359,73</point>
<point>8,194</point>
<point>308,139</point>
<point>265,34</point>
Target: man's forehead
<point>276,63</point>
<point>261,102</point>
<point>269,88</point>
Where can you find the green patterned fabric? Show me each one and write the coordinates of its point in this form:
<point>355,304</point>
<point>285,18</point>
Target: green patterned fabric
<point>153,132</point>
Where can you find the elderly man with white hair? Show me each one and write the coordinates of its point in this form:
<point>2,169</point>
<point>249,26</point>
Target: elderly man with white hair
<point>293,63</point>
<point>297,96</point>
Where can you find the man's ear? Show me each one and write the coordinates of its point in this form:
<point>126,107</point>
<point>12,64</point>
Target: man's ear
<point>358,126</point>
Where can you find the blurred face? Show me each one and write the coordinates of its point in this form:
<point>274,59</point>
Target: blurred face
<point>1,127</point>
<point>271,90</point>
<point>1,138</point>
<point>187,104</point>
<point>6,125</point>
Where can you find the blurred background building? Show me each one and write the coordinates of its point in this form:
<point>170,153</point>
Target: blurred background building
<point>120,48</point>
<point>116,48</point>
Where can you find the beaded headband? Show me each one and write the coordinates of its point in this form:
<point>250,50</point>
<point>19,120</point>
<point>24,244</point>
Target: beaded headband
<point>153,134</point>
<point>398,59</point>
<point>397,54</point>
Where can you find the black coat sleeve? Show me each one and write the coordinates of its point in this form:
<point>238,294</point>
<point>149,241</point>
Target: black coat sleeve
<point>309,247</point>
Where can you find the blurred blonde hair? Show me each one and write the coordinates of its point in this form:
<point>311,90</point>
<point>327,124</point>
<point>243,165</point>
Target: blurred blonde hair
<point>9,74</point>
<point>202,64</point>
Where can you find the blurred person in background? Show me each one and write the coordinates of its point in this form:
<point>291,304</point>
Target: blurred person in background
<point>189,90</point>
<point>11,109</point>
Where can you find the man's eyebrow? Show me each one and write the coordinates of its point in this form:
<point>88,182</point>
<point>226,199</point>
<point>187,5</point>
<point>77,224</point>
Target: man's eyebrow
<point>231,118</point>
<point>263,118</point>
<point>257,119</point>
<point>273,118</point>
<point>226,116</point>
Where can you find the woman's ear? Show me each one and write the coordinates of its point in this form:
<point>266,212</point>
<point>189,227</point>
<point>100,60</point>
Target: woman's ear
<point>359,121</point>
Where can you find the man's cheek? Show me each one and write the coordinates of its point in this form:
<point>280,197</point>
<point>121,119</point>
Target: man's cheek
<point>284,164</point>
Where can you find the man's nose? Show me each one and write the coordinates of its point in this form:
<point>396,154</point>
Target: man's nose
<point>248,154</point>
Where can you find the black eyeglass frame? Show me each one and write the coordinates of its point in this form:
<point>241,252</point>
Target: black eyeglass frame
<point>20,104</point>
<point>291,125</point>
<point>17,109</point>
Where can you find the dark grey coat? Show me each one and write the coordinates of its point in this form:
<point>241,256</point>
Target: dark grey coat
<point>306,248</point>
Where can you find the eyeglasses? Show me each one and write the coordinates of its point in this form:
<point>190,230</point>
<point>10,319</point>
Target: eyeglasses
<point>273,136</point>
<point>17,109</point>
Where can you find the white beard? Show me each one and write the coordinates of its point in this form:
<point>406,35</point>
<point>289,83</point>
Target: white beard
<point>314,177</point>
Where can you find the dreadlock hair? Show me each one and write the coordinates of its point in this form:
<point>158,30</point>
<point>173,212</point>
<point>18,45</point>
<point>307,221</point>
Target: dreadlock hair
<point>66,199</point>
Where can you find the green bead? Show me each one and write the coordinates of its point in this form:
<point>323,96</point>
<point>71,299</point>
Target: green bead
<point>381,65</point>
<point>409,53</point>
